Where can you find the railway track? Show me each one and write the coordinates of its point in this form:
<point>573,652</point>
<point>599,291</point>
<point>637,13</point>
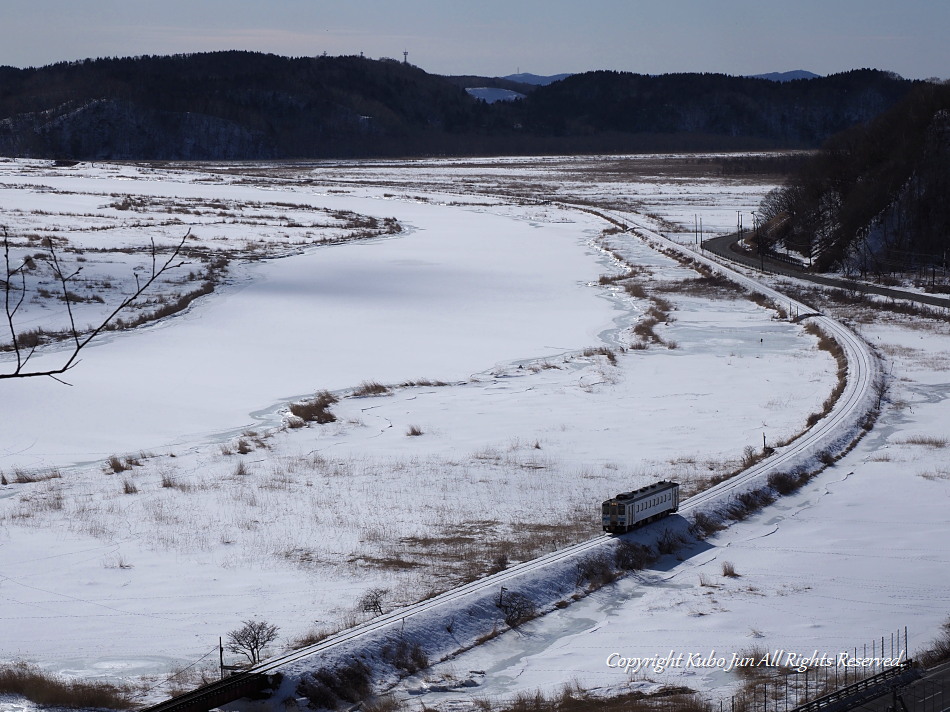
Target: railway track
<point>862,374</point>
<point>259,676</point>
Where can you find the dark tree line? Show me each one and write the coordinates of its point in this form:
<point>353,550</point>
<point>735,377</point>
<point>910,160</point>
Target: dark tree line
<point>875,197</point>
<point>246,105</point>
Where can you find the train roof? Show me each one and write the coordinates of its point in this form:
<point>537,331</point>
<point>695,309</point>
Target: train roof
<point>649,489</point>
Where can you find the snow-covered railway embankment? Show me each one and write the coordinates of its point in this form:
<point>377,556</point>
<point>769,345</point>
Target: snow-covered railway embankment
<point>388,647</point>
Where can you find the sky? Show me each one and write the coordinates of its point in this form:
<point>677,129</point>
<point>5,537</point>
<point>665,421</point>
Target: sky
<point>500,37</point>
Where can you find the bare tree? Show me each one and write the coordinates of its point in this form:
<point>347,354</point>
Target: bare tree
<point>372,600</point>
<point>15,292</point>
<point>251,639</point>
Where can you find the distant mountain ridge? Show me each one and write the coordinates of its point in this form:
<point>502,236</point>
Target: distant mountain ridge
<point>787,76</point>
<point>493,94</point>
<point>247,105</point>
<point>536,79</point>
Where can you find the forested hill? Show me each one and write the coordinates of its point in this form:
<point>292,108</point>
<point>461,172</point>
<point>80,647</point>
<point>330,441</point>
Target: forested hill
<point>875,198</point>
<point>244,105</point>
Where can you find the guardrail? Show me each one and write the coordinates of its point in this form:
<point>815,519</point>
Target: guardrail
<point>217,693</point>
<point>861,691</point>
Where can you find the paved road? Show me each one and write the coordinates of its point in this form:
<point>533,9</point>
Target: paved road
<point>727,248</point>
<point>929,694</point>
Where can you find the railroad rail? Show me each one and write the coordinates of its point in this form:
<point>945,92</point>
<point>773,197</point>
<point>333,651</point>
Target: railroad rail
<point>861,377</point>
<point>220,692</point>
<point>856,694</point>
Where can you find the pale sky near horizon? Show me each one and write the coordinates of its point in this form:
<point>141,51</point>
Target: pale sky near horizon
<point>495,37</point>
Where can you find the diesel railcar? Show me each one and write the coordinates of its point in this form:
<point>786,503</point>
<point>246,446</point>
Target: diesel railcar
<point>629,510</point>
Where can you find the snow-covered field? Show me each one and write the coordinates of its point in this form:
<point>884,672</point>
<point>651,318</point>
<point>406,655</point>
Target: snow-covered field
<point>483,318</point>
<point>855,557</point>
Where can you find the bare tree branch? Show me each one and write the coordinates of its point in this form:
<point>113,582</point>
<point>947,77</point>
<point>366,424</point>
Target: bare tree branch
<point>16,281</point>
<point>251,639</point>
<point>11,274</point>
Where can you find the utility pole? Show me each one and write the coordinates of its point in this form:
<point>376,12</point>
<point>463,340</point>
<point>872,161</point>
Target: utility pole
<point>756,239</point>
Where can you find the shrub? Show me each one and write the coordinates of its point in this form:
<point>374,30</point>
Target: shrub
<point>499,563</point>
<point>317,409</point>
<point>704,525</point>
<point>353,681</point>
<point>785,482</point>
<point>749,457</point>
<point>517,608</point>
<point>596,570</point>
<point>406,656</point>
<point>939,649</point>
<point>632,556</point>
<point>669,542</point>
<point>729,569</point>
<point>372,601</point>
<point>414,430</point>
<point>319,693</point>
<point>826,457</point>
<point>748,502</point>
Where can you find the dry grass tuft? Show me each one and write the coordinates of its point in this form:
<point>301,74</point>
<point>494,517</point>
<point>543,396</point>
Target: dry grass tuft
<point>573,698</point>
<point>371,388</point>
<point>423,382</point>
<point>601,351</point>
<point>45,689</point>
<point>117,466</point>
<point>635,290</point>
<point>925,440</point>
<point>23,477</point>
<point>317,409</point>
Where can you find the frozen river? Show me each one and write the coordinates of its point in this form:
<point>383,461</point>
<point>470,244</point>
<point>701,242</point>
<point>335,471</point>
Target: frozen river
<point>459,291</point>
